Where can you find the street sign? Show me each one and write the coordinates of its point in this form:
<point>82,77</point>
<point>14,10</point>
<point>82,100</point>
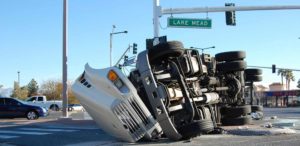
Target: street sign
<point>189,23</point>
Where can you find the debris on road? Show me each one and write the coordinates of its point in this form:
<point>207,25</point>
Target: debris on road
<point>274,117</point>
<point>268,125</point>
<point>257,115</point>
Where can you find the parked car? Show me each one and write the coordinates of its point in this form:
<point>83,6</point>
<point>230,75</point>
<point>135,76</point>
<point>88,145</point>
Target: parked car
<point>15,108</point>
<point>75,107</point>
<point>42,101</point>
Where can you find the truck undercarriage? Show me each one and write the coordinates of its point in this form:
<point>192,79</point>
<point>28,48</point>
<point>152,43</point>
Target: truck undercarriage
<point>173,92</point>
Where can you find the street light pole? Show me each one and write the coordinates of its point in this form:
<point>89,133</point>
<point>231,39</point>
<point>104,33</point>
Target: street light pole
<point>203,48</point>
<point>65,60</point>
<point>110,43</point>
<point>19,78</point>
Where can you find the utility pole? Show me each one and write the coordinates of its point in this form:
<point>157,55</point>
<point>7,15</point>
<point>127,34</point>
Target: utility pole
<point>65,59</point>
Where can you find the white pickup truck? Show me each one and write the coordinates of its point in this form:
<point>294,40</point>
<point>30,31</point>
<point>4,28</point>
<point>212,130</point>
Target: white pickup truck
<point>54,105</point>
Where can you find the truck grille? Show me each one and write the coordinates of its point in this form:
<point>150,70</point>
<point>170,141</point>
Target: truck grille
<point>139,111</point>
<point>128,120</point>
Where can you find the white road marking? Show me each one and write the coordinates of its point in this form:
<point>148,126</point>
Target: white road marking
<point>7,136</point>
<point>49,130</point>
<point>23,132</point>
<point>75,128</point>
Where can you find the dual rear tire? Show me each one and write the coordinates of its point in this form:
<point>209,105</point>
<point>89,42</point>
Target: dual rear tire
<point>238,115</point>
<point>231,61</point>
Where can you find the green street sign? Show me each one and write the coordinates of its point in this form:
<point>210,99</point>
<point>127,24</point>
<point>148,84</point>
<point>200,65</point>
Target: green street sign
<point>189,23</point>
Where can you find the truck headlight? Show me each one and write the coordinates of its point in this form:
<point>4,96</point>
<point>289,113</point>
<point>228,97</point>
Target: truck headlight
<point>113,77</point>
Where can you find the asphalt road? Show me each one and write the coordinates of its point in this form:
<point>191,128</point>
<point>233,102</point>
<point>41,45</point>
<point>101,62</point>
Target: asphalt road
<point>82,131</point>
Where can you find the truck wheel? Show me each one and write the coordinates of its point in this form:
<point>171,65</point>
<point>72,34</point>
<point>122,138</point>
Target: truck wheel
<point>169,49</point>
<point>255,108</point>
<point>196,128</point>
<point>32,115</point>
<point>253,78</point>
<point>233,112</point>
<point>230,56</point>
<point>54,108</point>
<point>236,121</point>
<point>232,66</point>
<point>253,71</point>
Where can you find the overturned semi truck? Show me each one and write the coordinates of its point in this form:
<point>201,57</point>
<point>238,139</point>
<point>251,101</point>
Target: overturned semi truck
<point>173,92</point>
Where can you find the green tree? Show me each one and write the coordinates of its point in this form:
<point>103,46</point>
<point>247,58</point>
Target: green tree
<point>298,83</point>
<point>282,73</point>
<point>33,88</point>
<point>289,76</point>
<point>19,92</point>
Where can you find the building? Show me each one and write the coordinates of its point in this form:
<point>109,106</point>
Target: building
<point>278,96</point>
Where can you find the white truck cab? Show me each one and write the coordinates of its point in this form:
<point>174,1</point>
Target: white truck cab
<point>42,101</point>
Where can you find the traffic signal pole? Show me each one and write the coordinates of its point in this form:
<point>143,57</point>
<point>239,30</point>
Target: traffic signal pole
<point>224,9</point>
<point>123,55</point>
<point>158,12</point>
<point>264,67</point>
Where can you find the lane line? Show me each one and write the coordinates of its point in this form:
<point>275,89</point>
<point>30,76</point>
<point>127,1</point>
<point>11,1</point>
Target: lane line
<point>7,136</point>
<point>23,132</point>
<point>75,128</point>
<point>50,130</point>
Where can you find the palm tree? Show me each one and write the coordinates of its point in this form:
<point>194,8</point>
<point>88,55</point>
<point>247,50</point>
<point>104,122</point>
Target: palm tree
<point>289,76</point>
<point>282,73</point>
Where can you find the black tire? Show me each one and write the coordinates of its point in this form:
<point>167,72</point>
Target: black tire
<point>32,115</point>
<point>196,128</point>
<point>253,78</point>
<point>230,56</point>
<point>169,49</point>
<point>54,107</point>
<point>232,66</point>
<point>255,108</point>
<point>237,111</point>
<point>248,84</point>
<point>253,71</point>
<point>236,121</point>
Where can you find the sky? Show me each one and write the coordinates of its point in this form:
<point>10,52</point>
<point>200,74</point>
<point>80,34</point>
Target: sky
<point>31,35</point>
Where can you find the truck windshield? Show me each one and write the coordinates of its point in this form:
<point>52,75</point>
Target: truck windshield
<point>31,99</point>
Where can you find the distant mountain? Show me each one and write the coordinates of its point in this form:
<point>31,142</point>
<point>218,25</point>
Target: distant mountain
<point>6,92</point>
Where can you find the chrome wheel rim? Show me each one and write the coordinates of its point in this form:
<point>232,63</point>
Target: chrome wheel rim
<point>31,115</point>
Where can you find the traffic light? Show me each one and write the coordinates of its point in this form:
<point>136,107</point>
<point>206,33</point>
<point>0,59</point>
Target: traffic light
<point>230,15</point>
<point>134,48</point>
<point>120,66</point>
<point>273,68</point>
<point>125,58</point>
